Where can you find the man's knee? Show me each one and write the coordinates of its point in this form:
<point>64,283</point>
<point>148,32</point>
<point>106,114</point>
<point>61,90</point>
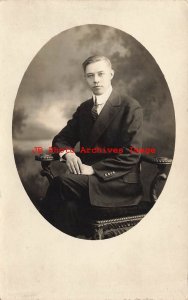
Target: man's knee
<point>66,177</point>
<point>75,187</point>
<point>74,180</point>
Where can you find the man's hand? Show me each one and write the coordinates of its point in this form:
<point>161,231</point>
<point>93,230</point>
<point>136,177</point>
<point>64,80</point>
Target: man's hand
<point>74,163</point>
<point>87,170</point>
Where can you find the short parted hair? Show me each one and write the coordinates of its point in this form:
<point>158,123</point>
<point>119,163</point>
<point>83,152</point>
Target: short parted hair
<point>95,58</point>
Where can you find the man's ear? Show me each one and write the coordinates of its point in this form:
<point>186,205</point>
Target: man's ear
<point>112,73</point>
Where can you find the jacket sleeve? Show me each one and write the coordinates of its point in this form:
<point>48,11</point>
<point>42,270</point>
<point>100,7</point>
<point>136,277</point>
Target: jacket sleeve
<point>69,135</point>
<point>130,135</point>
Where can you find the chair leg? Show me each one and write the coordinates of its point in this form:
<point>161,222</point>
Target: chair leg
<point>98,232</point>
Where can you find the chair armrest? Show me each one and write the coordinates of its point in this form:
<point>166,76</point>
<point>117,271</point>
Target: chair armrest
<point>159,161</point>
<point>161,164</point>
<point>46,160</point>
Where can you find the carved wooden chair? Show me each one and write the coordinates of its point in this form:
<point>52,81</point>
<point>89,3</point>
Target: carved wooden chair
<point>103,223</point>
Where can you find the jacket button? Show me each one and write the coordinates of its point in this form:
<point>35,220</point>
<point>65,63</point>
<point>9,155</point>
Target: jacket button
<point>105,174</point>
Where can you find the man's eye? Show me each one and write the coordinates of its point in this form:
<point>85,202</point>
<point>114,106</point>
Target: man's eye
<point>89,75</point>
<point>101,74</point>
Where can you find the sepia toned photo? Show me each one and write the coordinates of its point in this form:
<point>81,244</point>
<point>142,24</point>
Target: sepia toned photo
<point>90,88</point>
<point>93,132</point>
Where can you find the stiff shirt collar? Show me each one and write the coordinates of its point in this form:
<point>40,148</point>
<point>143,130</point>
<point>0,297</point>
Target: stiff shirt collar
<point>101,99</point>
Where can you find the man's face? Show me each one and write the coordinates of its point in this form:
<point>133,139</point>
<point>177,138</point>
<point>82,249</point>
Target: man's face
<point>98,76</point>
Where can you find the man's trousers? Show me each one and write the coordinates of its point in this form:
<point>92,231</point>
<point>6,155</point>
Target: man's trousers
<point>66,202</point>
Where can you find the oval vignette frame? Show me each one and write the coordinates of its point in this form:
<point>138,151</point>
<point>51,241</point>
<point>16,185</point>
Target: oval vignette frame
<point>53,86</point>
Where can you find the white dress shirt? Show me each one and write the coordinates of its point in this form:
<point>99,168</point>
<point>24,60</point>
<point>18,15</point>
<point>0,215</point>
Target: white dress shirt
<point>101,99</point>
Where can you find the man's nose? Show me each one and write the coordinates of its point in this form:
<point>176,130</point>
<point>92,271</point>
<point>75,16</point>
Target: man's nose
<point>96,79</point>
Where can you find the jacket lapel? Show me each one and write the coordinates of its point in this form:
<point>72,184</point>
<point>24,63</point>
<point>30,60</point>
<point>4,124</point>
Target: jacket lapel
<point>106,116</point>
<point>88,121</point>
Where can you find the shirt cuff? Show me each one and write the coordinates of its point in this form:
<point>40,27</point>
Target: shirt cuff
<point>62,155</point>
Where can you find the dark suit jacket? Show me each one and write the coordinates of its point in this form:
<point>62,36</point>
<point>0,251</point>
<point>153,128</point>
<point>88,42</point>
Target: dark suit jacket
<point>116,180</point>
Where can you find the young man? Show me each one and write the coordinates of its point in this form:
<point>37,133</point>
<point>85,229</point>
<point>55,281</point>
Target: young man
<point>108,178</point>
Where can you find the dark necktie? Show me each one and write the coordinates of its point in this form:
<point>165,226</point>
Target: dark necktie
<point>94,110</point>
